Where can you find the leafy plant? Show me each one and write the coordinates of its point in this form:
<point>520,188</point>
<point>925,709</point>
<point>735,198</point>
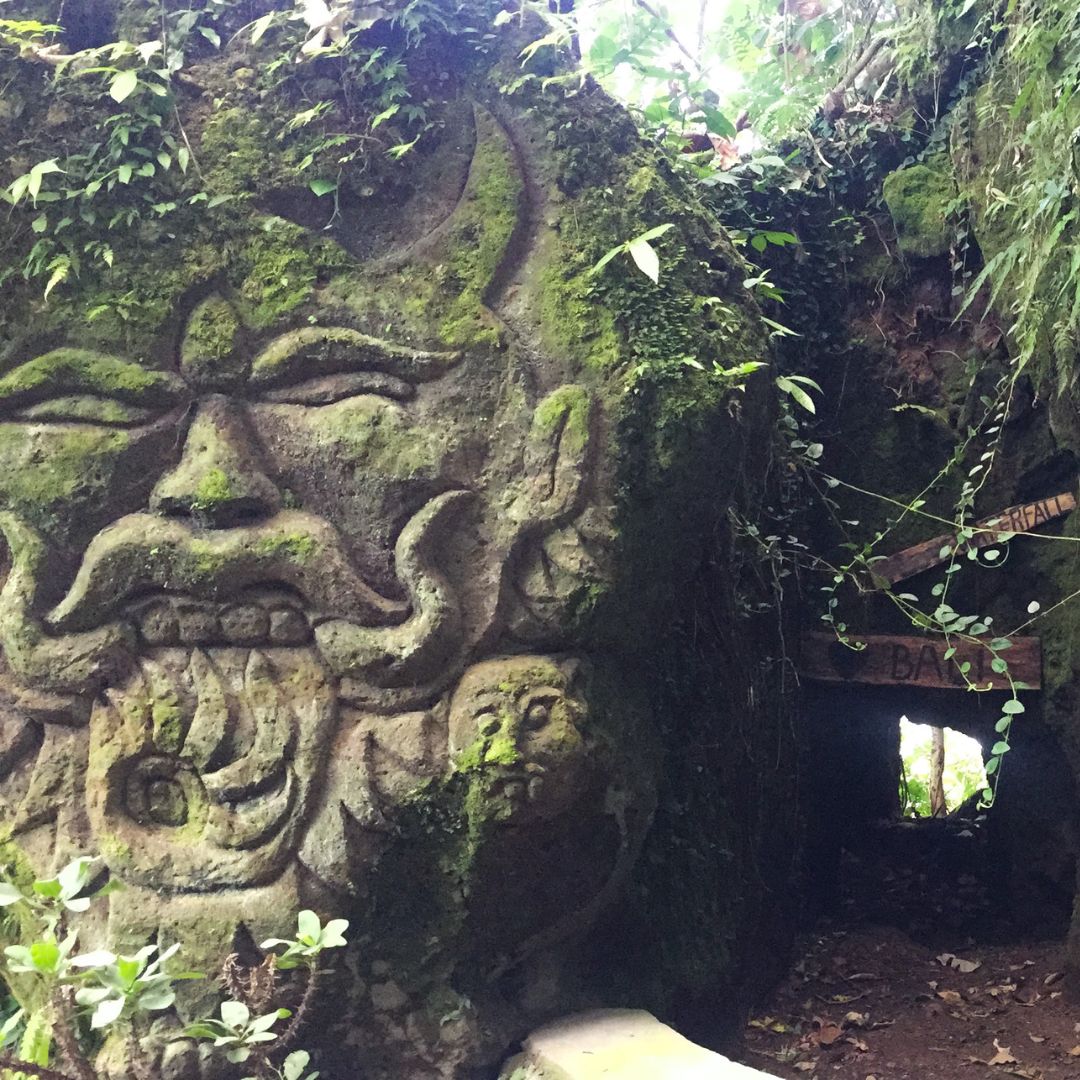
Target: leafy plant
<point>237,1032</point>
<point>641,251</point>
<point>114,991</point>
<point>310,941</point>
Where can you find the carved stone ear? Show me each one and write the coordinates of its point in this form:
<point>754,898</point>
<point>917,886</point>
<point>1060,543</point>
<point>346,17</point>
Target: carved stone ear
<point>556,457</point>
<point>76,664</point>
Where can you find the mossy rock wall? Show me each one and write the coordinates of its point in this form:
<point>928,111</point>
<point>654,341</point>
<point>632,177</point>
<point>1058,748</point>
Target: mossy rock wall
<point>370,552</point>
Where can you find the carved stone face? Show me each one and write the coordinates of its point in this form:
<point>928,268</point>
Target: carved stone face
<point>230,544</point>
<point>515,723</point>
<point>163,504</point>
<point>170,562</point>
<point>239,561</point>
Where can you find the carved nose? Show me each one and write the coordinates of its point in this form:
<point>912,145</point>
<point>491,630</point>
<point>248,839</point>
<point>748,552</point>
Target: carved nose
<point>218,480</point>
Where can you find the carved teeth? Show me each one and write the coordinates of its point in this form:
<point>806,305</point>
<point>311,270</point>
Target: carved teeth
<point>245,624</point>
<point>170,622</point>
<point>289,627</point>
<point>198,626</point>
<point>158,625</point>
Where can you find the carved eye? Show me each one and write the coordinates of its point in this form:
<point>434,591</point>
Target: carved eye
<point>538,706</point>
<point>328,389</point>
<point>537,715</point>
<point>84,409</point>
<point>487,722</point>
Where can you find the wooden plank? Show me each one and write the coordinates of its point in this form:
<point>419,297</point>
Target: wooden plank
<point>896,660</point>
<point>1015,519</point>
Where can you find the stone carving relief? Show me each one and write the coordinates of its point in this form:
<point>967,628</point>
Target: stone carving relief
<point>263,589</point>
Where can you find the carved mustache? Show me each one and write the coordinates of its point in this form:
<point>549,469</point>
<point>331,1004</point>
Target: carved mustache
<point>361,634</point>
<point>404,645</point>
<point>141,553</point>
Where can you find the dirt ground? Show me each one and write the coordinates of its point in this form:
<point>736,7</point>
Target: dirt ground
<point>927,969</point>
<point>872,1003</point>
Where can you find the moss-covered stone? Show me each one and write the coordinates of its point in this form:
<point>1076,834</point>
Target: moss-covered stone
<point>920,199</point>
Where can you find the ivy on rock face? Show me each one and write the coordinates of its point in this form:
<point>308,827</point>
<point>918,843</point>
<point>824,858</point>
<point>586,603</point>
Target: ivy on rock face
<point>117,154</point>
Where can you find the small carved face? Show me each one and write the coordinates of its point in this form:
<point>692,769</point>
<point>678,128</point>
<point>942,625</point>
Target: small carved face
<point>514,723</point>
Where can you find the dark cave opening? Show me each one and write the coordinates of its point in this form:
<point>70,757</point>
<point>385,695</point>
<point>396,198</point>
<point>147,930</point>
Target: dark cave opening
<point>1003,874</point>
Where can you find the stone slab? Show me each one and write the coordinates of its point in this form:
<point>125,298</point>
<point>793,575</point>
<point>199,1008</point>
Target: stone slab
<point>618,1044</point>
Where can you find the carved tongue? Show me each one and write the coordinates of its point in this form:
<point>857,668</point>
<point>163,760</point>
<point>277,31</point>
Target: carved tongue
<point>204,761</point>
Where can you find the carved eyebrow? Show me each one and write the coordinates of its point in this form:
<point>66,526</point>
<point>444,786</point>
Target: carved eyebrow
<point>317,350</point>
<point>80,371</point>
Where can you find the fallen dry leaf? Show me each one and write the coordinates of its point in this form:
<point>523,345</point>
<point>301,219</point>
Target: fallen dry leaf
<point>858,1044</point>
<point>1037,1038</point>
<point>1075,1052</point>
<point>828,1033</point>
<point>1053,977</point>
<point>1003,1056</point>
<point>966,967</point>
<point>806,1066</point>
<point>950,997</point>
<point>769,1023</point>
<point>857,1019</point>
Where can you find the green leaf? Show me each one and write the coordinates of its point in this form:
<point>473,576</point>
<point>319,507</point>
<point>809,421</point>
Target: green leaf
<point>385,115</point>
<point>607,257</point>
<point>323,187</point>
<point>718,123</point>
<point>235,1013</point>
<point>788,386</point>
<point>9,894</point>
<point>645,258</point>
<point>123,174</point>
<point>94,959</point>
<point>295,1064</point>
<point>308,927</point>
<point>159,997</point>
<point>45,955</point>
<point>1013,707</point>
<point>123,85</point>
<point>260,26</point>
<point>264,1023</point>
<point>107,1012</point>
<point>999,748</point>
<point>652,234</point>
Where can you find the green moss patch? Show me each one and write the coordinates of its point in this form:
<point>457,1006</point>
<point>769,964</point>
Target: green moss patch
<point>919,199</point>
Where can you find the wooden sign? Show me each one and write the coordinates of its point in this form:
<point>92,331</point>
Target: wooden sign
<point>894,660</point>
<point>1016,519</point>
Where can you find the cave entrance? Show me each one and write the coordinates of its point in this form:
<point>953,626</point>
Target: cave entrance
<point>877,855</point>
<point>941,770</point>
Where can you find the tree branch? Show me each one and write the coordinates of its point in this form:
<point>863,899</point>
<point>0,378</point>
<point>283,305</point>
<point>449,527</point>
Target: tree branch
<point>9,1061</point>
<point>671,35</point>
<point>299,1018</point>
<point>66,1038</point>
<point>834,99</point>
